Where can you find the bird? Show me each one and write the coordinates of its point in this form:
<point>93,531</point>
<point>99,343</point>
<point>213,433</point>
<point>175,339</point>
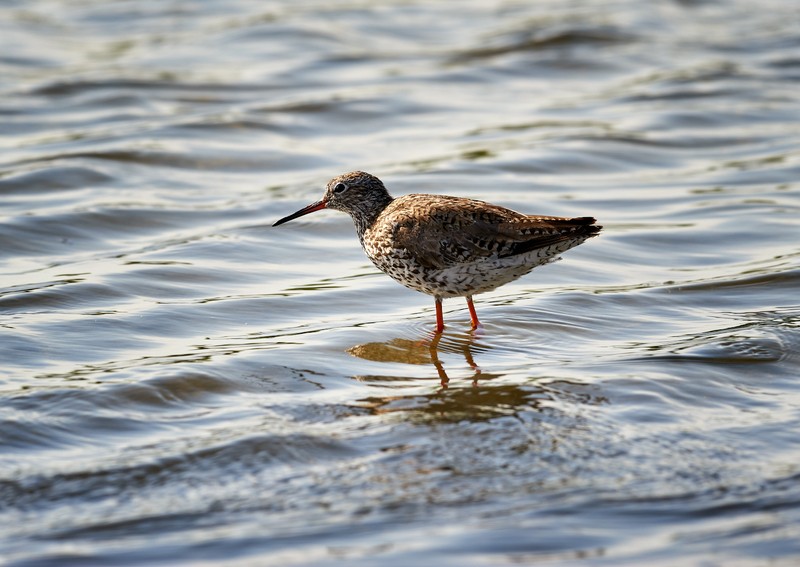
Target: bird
<point>447,246</point>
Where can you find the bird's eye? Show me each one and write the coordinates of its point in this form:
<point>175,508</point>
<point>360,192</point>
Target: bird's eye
<point>339,187</point>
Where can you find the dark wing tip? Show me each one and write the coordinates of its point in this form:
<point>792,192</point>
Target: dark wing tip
<point>584,225</point>
<point>576,229</point>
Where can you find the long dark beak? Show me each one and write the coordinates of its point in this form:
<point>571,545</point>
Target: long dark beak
<point>318,206</point>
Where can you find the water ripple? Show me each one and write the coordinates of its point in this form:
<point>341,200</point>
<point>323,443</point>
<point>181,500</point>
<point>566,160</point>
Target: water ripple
<point>184,383</point>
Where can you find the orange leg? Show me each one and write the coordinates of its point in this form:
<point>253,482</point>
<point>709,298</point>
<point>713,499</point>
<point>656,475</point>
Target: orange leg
<point>439,316</point>
<point>472,314</point>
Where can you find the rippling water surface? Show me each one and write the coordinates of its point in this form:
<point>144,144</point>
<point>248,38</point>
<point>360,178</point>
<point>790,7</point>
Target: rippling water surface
<point>184,384</point>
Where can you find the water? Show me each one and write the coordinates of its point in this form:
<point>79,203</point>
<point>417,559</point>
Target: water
<point>183,384</point>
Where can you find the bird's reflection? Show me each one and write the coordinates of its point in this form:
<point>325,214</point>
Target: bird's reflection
<point>420,351</point>
<point>457,404</point>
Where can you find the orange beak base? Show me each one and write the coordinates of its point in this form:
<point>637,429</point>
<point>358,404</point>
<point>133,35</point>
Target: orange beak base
<point>313,207</point>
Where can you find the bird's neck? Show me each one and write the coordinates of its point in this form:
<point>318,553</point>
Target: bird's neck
<point>365,215</point>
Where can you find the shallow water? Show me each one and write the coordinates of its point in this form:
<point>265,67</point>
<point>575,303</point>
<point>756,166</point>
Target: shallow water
<point>184,384</point>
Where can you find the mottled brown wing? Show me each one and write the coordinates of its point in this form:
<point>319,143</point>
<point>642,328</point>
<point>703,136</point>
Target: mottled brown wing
<point>447,231</point>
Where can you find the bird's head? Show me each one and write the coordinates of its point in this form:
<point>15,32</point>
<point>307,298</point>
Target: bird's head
<point>357,193</point>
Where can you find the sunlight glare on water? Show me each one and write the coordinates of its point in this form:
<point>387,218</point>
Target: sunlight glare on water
<point>182,383</point>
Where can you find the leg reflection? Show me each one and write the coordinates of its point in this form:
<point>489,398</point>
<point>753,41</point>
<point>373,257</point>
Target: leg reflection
<point>433,348</point>
<point>424,351</point>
